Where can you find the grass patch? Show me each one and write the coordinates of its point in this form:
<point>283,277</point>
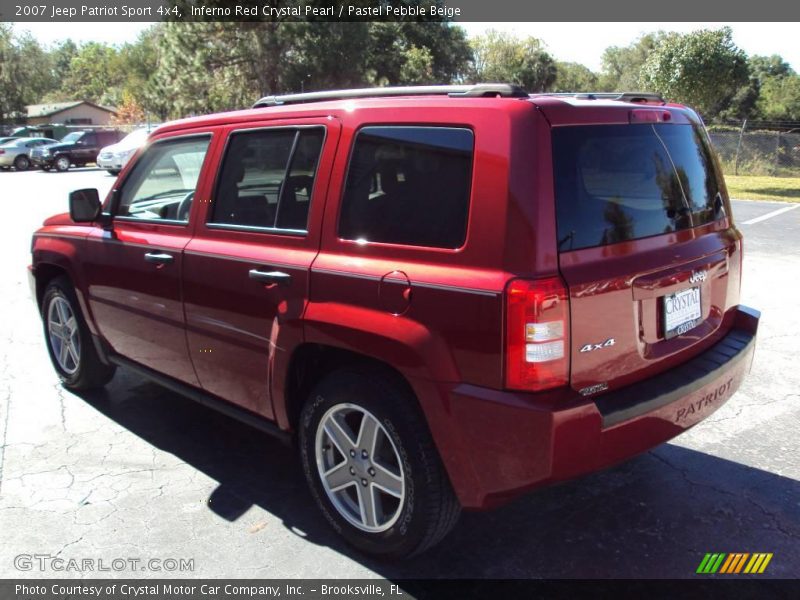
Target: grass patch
<point>752,187</point>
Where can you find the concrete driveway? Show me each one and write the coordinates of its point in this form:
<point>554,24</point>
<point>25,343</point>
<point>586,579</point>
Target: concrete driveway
<point>138,472</point>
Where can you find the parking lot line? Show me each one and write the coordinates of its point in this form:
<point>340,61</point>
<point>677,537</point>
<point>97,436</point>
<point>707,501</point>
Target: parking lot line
<point>771,214</point>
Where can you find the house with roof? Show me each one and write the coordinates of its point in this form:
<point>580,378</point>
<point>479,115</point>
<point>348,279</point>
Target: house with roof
<point>79,112</point>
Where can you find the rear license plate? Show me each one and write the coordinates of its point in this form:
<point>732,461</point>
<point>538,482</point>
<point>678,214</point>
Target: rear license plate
<point>682,312</point>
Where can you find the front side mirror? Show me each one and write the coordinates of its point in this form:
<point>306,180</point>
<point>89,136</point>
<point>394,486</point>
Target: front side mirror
<point>84,205</point>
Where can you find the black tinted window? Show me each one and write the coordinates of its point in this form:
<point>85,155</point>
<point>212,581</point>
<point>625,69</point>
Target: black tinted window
<point>408,185</point>
<point>267,177</point>
<point>296,198</point>
<point>623,182</point>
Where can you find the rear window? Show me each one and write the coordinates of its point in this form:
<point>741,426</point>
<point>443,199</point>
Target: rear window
<point>615,183</point>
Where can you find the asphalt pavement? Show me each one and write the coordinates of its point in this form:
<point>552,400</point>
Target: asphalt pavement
<point>139,472</point>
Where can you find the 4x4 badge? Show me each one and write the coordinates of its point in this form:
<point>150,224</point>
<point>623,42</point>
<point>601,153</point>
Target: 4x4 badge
<point>608,343</point>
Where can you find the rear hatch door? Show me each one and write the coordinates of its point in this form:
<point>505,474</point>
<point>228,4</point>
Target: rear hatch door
<point>646,244</point>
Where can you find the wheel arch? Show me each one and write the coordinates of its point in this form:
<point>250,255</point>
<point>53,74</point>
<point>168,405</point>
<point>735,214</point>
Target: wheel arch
<point>44,274</point>
<point>55,261</point>
<point>310,362</point>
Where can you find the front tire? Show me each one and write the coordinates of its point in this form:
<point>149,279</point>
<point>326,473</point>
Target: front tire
<point>372,467</point>
<point>69,341</point>
<point>62,164</point>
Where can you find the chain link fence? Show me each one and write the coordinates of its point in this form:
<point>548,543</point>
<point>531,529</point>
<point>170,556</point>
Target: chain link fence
<point>758,147</point>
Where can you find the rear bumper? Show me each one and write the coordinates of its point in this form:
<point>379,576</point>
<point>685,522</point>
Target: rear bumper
<point>515,442</point>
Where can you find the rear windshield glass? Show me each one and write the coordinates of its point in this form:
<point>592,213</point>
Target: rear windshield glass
<point>624,182</point>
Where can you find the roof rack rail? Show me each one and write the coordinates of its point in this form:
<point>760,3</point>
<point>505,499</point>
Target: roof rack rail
<point>480,90</point>
<point>621,96</point>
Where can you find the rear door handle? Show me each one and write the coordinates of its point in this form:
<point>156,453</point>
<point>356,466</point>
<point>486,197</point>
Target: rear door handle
<point>268,277</point>
<point>160,258</point>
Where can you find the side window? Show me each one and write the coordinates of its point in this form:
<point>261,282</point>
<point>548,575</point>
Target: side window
<point>296,198</point>
<point>89,139</point>
<point>408,185</point>
<point>267,177</point>
<point>163,181</point>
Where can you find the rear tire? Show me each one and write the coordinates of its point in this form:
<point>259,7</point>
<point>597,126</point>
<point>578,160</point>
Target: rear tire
<point>412,504</point>
<point>22,163</point>
<point>69,341</point>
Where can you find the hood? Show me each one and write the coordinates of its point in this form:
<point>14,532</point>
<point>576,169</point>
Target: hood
<point>58,146</point>
<point>112,148</point>
<point>60,219</point>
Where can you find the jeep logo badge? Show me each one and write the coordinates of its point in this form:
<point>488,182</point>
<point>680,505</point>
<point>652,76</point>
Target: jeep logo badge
<point>698,276</point>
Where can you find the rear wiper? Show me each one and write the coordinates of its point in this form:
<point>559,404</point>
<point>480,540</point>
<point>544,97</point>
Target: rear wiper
<point>570,237</point>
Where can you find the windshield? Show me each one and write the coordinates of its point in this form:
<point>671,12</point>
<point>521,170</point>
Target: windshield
<point>615,183</point>
<point>134,139</point>
<point>72,137</point>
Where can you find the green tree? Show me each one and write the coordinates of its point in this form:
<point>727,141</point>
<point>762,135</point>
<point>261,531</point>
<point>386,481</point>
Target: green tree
<point>94,75</point>
<point>417,67</point>
<point>574,77</point>
<point>500,57</point>
<point>765,67</point>
<point>138,61</point>
<point>37,63</point>
<point>203,67</point>
<point>198,70</point>
<point>12,99</point>
<point>745,103</point>
<point>780,98</point>
<point>62,56</point>
<point>703,69</point>
<point>317,55</point>
<point>408,53</point>
<point>622,66</point>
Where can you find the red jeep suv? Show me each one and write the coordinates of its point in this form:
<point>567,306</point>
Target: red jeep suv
<point>446,295</point>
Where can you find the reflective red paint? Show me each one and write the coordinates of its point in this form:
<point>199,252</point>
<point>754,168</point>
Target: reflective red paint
<point>447,321</point>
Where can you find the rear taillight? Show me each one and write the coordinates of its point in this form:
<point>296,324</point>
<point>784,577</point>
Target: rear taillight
<point>741,262</point>
<point>2,151</point>
<point>537,334</point>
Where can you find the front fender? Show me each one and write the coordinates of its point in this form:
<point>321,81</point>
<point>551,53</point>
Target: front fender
<point>61,251</point>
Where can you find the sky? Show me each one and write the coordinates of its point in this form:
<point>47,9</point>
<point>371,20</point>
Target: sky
<point>573,42</point>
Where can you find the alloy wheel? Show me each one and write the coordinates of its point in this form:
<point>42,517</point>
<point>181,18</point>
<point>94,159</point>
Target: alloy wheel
<point>360,468</point>
<point>62,330</point>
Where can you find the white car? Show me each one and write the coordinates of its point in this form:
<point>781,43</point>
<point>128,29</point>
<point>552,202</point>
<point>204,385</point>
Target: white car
<point>113,158</point>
